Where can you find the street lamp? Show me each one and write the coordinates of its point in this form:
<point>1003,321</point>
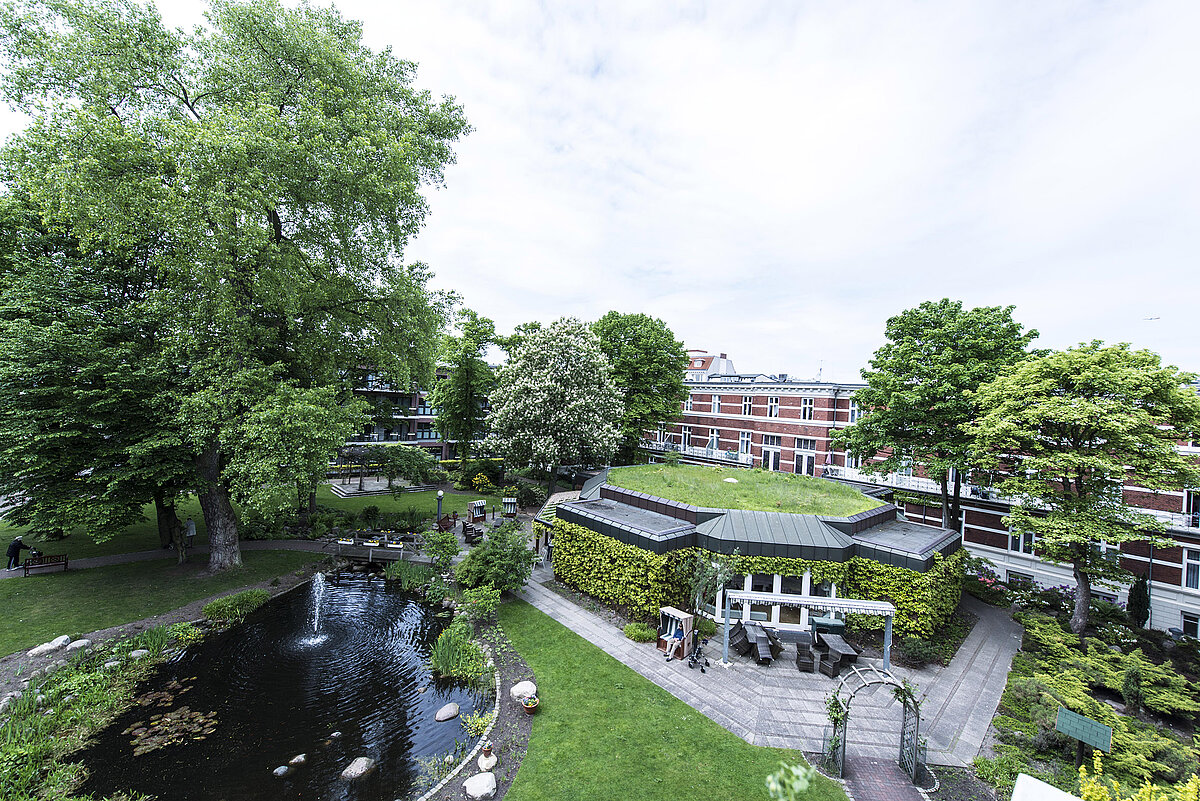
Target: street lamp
<point>439,514</point>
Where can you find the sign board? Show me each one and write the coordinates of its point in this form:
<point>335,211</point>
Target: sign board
<point>1084,729</point>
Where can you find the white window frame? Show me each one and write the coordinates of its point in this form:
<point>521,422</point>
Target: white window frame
<point>855,412</point>
<point>716,404</point>
<point>808,408</point>
<point>745,440</point>
<point>1189,624</point>
<point>747,405</point>
<point>685,438</point>
<point>1021,541</point>
<point>1191,568</point>
<point>772,406</point>
<point>714,439</point>
<point>853,462</point>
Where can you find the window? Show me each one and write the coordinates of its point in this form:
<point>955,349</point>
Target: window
<point>686,437</point>
<point>716,404</point>
<point>906,467</point>
<point>1191,573</point>
<point>1020,541</point>
<point>687,404</point>
<point>747,405</point>
<point>1191,625</point>
<point>771,441</point>
<point>822,590</point>
<point>1016,579</point>
<point>854,412</point>
<point>803,444</point>
<point>714,438</point>
<point>744,440</point>
<point>853,462</point>
<point>807,407</point>
<point>773,406</point>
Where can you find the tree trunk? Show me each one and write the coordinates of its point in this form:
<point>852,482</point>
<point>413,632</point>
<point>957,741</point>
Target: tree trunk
<point>945,500</point>
<point>956,503</point>
<point>165,538</point>
<point>223,550</point>
<point>302,511</point>
<point>1083,599</point>
<point>362,472</point>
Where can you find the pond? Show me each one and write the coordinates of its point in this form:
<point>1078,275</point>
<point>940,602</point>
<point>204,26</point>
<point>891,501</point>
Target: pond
<point>335,673</point>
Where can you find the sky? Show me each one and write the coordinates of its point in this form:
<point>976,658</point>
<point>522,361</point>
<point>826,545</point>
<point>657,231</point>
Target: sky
<point>775,180</point>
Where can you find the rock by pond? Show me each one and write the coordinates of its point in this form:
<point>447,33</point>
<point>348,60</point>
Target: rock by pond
<point>448,712</point>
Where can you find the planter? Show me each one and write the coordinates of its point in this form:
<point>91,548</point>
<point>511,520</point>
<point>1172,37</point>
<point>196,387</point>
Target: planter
<point>487,751</point>
<point>530,705</point>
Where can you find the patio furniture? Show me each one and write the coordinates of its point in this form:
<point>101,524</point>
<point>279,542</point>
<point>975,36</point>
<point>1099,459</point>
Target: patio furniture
<point>806,659</point>
<point>510,507</point>
<point>844,651</point>
<point>739,640</point>
<point>675,632</point>
<point>829,623</point>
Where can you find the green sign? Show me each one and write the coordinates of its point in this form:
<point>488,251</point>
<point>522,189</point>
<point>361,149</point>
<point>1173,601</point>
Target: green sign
<point>1084,729</point>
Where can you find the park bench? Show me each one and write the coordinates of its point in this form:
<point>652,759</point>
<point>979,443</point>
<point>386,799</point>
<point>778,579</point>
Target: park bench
<point>46,560</point>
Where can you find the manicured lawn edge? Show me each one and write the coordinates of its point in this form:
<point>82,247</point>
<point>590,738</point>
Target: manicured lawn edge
<point>604,732</point>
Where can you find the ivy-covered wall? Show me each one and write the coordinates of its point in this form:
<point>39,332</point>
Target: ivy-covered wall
<point>640,582</point>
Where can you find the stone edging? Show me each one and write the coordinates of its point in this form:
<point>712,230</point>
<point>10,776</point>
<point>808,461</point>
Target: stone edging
<point>483,738</point>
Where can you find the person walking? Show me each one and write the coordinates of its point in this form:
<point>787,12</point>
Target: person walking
<point>14,552</point>
<point>189,529</point>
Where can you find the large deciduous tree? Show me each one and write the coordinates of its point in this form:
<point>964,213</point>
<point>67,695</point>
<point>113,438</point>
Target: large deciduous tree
<point>555,401</point>
<point>648,364</point>
<point>461,397</point>
<point>277,164</point>
<point>919,390</point>
<point>1069,429</point>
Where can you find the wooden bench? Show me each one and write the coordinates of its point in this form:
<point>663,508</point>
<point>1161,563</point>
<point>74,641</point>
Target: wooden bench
<point>46,560</point>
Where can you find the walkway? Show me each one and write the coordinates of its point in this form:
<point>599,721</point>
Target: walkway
<point>781,707</point>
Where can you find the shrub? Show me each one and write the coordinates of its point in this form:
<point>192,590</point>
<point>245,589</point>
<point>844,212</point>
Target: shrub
<point>706,626</point>
<point>1131,687</point>
<point>640,632</point>
<point>989,590</point>
<point>1139,602</point>
<point>455,654</point>
<point>153,640</point>
<point>483,485</point>
<point>235,607</point>
<point>480,603</point>
<point>441,547</point>
<point>919,652</point>
<point>530,495</point>
<point>369,515</point>
<point>503,561</point>
<point>476,723</point>
<point>186,633</point>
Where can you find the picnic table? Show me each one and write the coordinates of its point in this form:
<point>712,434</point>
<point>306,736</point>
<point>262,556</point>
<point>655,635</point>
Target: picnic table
<point>837,645</point>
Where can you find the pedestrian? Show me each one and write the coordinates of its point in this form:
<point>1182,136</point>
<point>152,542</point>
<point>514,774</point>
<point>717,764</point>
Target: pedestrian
<point>14,552</point>
<point>189,529</point>
<point>548,543</point>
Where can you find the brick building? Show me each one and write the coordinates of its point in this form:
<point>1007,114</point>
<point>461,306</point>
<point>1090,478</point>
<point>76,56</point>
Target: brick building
<point>775,422</point>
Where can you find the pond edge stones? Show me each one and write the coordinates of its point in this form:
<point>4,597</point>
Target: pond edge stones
<point>360,767</point>
<point>50,647</point>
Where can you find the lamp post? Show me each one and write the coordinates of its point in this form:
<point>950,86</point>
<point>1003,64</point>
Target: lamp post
<point>439,512</point>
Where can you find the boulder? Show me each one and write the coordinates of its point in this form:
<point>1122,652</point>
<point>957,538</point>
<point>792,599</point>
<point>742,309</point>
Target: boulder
<point>522,690</point>
<point>281,771</point>
<point>486,763</point>
<point>111,665</point>
<point>448,712</point>
<point>5,703</point>
<point>360,767</point>
<point>140,653</point>
<point>335,735</point>
<point>56,644</point>
<point>298,759</point>
<point>481,785</point>
<point>78,645</point>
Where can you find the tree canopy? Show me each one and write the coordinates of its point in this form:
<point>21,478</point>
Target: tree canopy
<point>269,167</point>
<point>1069,430</point>
<point>919,389</point>
<point>648,364</point>
<point>461,397</point>
<point>555,401</point>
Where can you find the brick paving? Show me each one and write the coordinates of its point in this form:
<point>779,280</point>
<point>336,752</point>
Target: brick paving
<point>879,780</point>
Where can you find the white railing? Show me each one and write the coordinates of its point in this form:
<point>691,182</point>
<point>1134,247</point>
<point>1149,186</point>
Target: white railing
<point>716,454</point>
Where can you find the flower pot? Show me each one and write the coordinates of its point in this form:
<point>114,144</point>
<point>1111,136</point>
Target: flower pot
<point>530,705</point>
<point>487,752</point>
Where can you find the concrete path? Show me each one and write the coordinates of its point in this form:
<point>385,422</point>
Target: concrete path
<point>781,707</point>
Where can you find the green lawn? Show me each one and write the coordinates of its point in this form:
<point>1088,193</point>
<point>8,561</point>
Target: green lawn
<point>143,535</point>
<point>755,490</point>
<point>40,607</point>
<point>603,732</point>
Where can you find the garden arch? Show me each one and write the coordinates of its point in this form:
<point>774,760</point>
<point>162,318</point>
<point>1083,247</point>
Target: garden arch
<point>848,605</point>
<point>912,754</point>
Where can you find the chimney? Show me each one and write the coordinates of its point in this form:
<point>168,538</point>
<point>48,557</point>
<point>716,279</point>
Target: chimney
<point>723,356</point>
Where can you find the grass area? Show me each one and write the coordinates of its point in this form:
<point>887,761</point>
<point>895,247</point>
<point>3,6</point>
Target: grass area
<point>755,490</point>
<point>143,535</point>
<point>41,607</point>
<point>603,731</point>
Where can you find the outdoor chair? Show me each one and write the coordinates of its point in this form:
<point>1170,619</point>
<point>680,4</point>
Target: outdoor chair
<point>806,659</point>
<point>739,640</point>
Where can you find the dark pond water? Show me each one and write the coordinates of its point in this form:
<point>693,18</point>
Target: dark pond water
<point>280,685</point>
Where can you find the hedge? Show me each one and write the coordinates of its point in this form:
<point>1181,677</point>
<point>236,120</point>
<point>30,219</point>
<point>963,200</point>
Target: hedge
<point>640,581</point>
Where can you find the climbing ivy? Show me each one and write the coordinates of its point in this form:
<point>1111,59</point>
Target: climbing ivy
<point>640,581</point>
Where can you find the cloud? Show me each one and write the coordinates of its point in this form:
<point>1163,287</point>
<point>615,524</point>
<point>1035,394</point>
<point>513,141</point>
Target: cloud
<point>775,180</point>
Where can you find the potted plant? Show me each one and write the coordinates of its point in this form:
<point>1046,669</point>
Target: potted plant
<point>530,704</point>
<point>487,748</point>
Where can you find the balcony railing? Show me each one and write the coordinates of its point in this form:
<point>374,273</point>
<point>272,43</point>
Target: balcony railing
<point>716,454</point>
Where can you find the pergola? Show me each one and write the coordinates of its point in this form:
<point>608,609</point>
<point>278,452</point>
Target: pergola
<point>848,605</point>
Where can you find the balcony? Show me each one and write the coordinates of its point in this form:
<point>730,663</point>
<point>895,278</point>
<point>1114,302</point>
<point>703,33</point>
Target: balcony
<point>714,454</point>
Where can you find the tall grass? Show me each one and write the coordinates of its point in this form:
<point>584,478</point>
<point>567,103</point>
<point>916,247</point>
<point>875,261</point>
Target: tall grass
<point>410,575</point>
<point>235,607</point>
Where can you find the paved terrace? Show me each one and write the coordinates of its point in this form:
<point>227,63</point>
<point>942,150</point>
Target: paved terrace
<point>778,706</point>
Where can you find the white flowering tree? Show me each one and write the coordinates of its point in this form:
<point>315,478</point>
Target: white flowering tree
<point>556,401</point>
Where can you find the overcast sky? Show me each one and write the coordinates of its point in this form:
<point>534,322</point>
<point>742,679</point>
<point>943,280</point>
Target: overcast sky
<point>776,180</point>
